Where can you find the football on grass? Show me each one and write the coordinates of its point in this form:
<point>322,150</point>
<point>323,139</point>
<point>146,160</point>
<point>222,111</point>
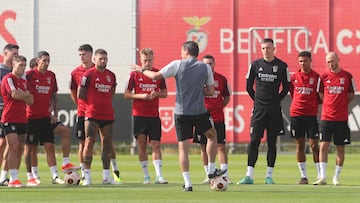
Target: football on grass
<point>219,183</point>
<point>72,178</point>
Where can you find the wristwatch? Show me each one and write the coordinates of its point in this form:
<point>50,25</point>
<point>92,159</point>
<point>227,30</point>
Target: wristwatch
<point>142,71</point>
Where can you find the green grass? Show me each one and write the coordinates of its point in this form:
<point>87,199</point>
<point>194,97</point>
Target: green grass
<point>286,175</point>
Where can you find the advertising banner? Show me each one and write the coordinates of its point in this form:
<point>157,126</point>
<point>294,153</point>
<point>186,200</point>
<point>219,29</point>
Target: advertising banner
<point>231,32</point>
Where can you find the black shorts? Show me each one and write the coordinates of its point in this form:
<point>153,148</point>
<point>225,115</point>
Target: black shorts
<point>101,123</point>
<point>185,124</point>
<point>41,131</point>
<point>337,129</point>
<point>80,128</point>
<point>220,131</point>
<point>150,126</point>
<point>18,128</point>
<point>269,119</point>
<point>302,126</point>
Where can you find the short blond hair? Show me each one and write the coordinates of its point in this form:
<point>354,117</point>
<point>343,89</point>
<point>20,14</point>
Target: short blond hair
<point>147,52</point>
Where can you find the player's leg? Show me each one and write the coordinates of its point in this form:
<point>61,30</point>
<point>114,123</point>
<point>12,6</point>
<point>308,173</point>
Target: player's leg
<point>114,165</point>
<point>314,145</point>
<point>205,161</point>
<point>91,131</point>
<point>221,148</point>
<point>298,133</point>
<point>205,125</point>
<point>106,132</point>
<point>13,162</point>
<point>341,138</point>
<point>49,148</point>
<point>274,128</point>
<point>143,157</point>
<point>65,133</point>
<point>257,127</point>
<point>80,135</point>
<point>271,157</point>
<point>326,130</point>
<point>155,138</point>
<point>31,163</point>
<point>139,126</point>
<point>157,162</point>
<point>30,154</point>
<point>4,166</point>
<point>301,159</point>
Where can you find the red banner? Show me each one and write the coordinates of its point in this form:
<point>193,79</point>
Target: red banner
<point>225,29</point>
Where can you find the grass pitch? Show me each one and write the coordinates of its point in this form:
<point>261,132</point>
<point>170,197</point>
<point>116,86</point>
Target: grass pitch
<point>286,176</point>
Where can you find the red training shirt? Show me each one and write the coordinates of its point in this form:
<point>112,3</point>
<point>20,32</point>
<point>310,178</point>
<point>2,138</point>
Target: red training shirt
<point>304,92</point>
<point>142,84</point>
<point>74,83</point>
<point>215,104</point>
<point>14,110</point>
<point>100,89</point>
<point>336,88</point>
<point>42,86</point>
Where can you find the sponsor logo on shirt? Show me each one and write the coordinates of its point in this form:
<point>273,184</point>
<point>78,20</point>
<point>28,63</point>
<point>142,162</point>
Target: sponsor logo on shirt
<point>102,87</point>
<point>42,89</point>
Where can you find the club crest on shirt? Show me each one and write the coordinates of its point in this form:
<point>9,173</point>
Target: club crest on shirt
<point>48,79</point>
<point>275,68</point>
<point>342,81</point>
<point>166,115</point>
<point>311,81</point>
<point>108,79</point>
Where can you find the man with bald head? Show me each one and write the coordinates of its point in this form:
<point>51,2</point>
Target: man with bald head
<point>336,92</point>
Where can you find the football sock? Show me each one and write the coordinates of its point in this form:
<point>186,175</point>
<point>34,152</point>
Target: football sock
<point>114,164</point>
<point>250,172</point>
<point>158,165</point>
<point>106,174</point>
<point>323,170</point>
<point>302,168</point>
<point>337,171</point>
<point>269,172</point>
<point>53,171</point>
<point>224,167</point>
<point>144,166</point>
<point>186,176</point>
<point>65,161</point>
<point>29,175</point>
<point>317,165</point>
<point>82,166</point>
<point>35,171</point>
<point>211,168</point>
<point>206,170</point>
<point>13,174</point>
<point>3,175</point>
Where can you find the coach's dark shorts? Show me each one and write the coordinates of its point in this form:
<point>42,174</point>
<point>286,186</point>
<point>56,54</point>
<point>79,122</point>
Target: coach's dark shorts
<point>41,131</point>
<point>185,125</point>
<point>302,126</point>
<point>220,131</point>
<point>337,129</point>
<point>269,119</point>
<point>150,126</point>
<point>80,128</point>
